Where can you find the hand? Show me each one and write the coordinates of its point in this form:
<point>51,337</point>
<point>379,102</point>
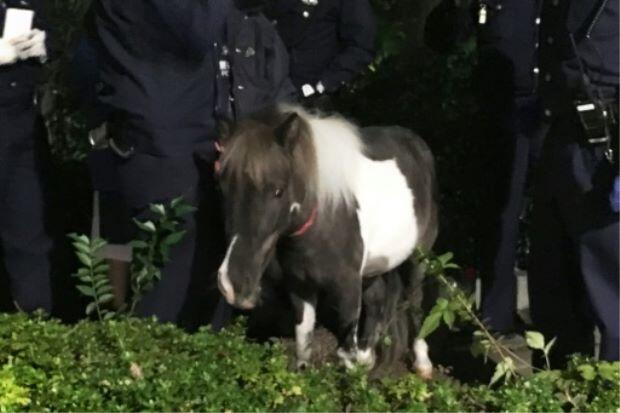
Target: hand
<point>8,54</point>
<point>30,45</point>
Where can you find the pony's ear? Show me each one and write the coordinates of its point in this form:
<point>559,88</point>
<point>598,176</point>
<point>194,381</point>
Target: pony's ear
<point>288,132</point>
<point>224,130</point>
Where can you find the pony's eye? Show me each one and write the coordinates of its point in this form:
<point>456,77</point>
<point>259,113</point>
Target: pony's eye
<point>278,193</point>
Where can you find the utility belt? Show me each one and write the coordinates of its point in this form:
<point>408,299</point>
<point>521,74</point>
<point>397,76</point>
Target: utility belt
<point>599,121</point>
<point>109,135</point>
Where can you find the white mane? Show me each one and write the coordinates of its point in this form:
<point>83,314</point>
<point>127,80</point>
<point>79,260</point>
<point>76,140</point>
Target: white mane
<point>339,151</point>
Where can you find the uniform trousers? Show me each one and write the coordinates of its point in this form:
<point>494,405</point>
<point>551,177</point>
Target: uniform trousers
<point>187,285</point>
<point>24,235</point>
<point>573,275</point>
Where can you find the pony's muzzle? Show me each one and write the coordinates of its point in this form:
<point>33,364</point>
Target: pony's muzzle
<point>228,292</point>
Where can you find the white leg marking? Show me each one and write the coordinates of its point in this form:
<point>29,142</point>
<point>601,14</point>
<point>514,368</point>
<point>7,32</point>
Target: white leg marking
<point>303,335</point>
<point>347,358</point>
<point>366,358</point>
<point>423,364</point>
<point>222,275</point>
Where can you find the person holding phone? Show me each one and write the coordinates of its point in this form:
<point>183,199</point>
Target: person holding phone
<point>24,239</point>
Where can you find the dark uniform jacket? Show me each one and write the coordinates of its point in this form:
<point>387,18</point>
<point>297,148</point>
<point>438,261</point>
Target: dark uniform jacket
<point>158,64</point>
<point>594,28</point>
<point>18,81</point>
<point>254,66</point>
<point>508,46</point>
<point>330,41</point>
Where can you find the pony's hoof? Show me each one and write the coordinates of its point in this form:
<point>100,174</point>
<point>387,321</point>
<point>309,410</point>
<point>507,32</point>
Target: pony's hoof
<point>424,371</point>
<point>302,365</point>
<point>347,358</point>
<point>366,358</point>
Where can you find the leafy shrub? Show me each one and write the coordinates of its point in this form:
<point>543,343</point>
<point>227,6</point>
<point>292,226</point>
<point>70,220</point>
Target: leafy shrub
<point>48,366</point>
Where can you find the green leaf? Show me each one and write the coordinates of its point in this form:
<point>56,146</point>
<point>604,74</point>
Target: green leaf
<point>448,318</point>
<point>184,210</point>
<point>550,345</point>
<point>106,298</point>
<point>84,259</point>
<point>147,226</point>
<point>387,340</point>
<point>105,289</point>
<point>587,372</point>
<point>101,282</point>
<point>174,238</point>
<point>176,202</point>
<point>504,368</point>
<point>609,371</point>
<point>85,279</point>
<point>431,323</point>
<point>535,340</point>
<point>80,247</point>
<point>90,308</point>
<point>138,244</point>
<point>445,258</point>
<point>500,371</point>
<point>101,269</point>
<point>477,349</point>
<point>98,244</point>
<point>442,304</point>
<point>82,239</point>
<point>87,291</point>
<point>159,209</point>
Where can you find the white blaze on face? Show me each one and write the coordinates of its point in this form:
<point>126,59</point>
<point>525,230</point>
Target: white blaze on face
<point>222,275</point>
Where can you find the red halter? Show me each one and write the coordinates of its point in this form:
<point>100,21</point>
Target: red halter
<point>307,225</point>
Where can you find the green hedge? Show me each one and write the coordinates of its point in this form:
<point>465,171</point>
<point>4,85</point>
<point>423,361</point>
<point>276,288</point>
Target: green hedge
<point>138,365</point>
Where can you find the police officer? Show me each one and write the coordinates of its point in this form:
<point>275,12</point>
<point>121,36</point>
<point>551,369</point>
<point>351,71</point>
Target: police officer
<point>508,76</point>
<point>573,277</point>
<point>158,68</point>
<point>23,235</point>
<point>329,42</point>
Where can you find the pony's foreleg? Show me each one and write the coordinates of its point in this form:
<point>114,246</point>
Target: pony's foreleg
<point>349,305</point>
<point>305,310</point>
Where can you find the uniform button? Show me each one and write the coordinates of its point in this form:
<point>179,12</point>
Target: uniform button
<point>13,84</point>
<point>550,40</point>
<point>548,113</point>
<point>537,45</point>
<point>536,70</point>
<point>548,77</point>
<point>306,14</point>
<point>555,2</point>
<point>240,87</point>
<point>537,21</point>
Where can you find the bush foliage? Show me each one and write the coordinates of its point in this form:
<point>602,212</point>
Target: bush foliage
<point>48,366</point>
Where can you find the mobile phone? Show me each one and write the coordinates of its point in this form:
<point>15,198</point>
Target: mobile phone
<point>17,22</point>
